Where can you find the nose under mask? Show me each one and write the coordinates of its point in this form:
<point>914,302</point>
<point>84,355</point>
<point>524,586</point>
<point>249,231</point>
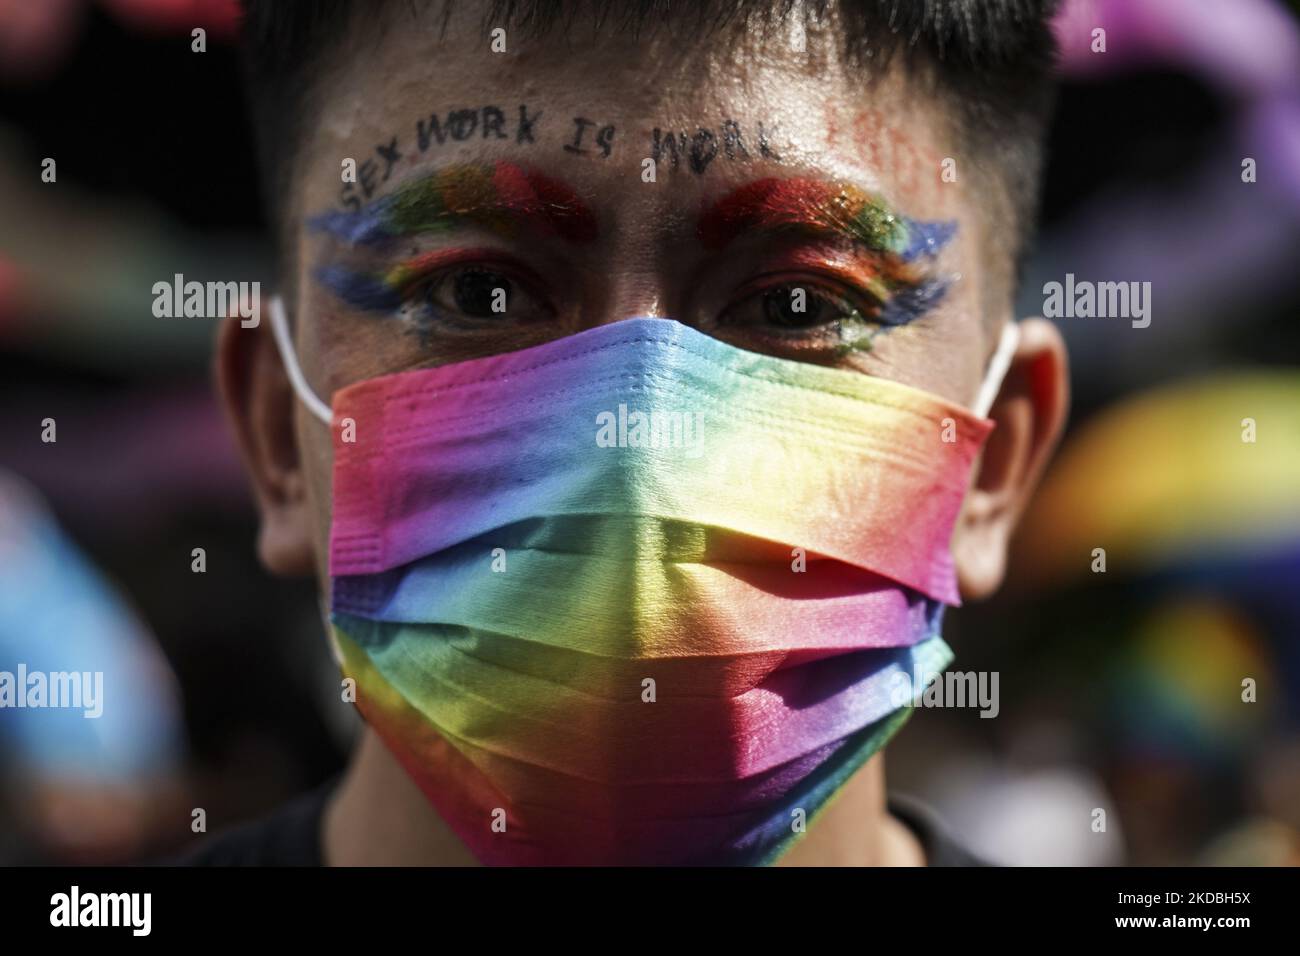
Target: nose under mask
<point>637,596</point>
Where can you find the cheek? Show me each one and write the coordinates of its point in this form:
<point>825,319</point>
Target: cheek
<point>946,353</point>
<point>966,320</point>
<point>318,462</point>
<point>950,363</point>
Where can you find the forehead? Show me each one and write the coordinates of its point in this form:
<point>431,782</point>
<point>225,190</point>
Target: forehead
<point>428,113</point>
<point>402,95</point>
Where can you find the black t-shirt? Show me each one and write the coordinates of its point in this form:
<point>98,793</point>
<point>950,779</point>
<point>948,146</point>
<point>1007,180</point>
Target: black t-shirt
<point>291,836</point>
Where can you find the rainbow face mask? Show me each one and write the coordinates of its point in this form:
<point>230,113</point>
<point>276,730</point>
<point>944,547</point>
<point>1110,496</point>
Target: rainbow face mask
<point>636,596</point>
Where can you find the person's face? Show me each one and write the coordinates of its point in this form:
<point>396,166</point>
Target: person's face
<point>571,124</point>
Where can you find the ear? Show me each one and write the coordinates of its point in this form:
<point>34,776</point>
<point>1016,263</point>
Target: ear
<point>1030,413</point>
<point>260,405</point>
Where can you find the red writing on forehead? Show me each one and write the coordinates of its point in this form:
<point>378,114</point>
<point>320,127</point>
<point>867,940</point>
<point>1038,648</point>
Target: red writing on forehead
<point>885,148</point>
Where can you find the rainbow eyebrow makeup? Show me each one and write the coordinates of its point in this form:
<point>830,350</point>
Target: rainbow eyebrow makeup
<point>821,206</point>
<point>501,197</point>
<point>890,248</point>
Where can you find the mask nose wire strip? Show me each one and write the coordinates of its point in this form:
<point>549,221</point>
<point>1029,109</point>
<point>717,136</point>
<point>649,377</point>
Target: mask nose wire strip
<point>280,327</point>
<point>998,366</point>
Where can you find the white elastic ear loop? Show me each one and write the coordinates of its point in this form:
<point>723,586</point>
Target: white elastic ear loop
<point>280,327</point>
<point>998,366</point>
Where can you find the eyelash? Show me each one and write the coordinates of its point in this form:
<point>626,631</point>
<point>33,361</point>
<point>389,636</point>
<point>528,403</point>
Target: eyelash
<point>860,320</point>
<point>853,330</point>
<point>816,287</point>
<point>418,288</point>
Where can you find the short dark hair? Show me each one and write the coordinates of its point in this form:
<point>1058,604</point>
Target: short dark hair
<point>992,60</point>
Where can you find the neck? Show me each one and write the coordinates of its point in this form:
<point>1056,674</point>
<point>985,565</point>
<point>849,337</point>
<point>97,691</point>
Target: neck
<point>855,828</point>
<point>379,817</point>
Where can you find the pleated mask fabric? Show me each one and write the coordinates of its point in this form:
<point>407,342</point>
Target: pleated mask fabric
<point>637,596</point>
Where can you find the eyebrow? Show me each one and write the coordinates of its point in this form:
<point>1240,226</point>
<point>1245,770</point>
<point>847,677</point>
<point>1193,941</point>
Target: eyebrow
<point>842,212</point>
<point>501,197</point>
<point>824,207</point>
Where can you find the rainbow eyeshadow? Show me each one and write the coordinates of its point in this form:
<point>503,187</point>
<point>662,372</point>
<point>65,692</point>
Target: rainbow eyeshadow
<point>890,247</point>
<point>907,303</point>
<point>501,197</point>
<point>384,291</point>
<point>361,290</point>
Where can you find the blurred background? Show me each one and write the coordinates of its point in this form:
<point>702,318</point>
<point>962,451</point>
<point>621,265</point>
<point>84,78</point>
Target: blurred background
<point>1119,690</point>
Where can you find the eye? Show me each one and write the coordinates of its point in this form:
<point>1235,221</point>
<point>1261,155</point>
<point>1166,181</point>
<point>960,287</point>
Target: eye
<point>792,308</point>
<point>478,294</point>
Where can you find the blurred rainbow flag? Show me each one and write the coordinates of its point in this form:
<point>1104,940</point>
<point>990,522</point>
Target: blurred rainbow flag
<point>1199,471</point>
